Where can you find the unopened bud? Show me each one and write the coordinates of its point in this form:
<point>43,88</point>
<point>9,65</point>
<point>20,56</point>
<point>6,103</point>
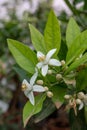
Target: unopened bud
<point>81,95</point>
<point>78,101</point>
<point>49,72</point>
<point>62,62</point>
<point>67,97</point>
<point>40,82</point>
<point>58,77</point>
<point>46,88</point>
<point>49,94</point>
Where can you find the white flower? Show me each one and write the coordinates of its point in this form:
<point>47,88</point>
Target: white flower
<point>29,88</point>
<point>83,98</point>
<point>81,105</point>
<point>46,60</point>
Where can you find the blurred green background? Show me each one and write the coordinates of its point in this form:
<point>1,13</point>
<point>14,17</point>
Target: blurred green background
<point>14,19</point>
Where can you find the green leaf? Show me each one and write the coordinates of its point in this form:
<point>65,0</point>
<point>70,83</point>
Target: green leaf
<point>81,79</point>
<point>63,51</point>
<point>77,63</point>
<point>85,4</point>
<point>37,39</point>
<point>77,122</point>
<point>29,110</point>
<point>85,112</point>
<point>23,55</point>
<point>72,32</point>
<point>59,92</point>
<point>52,33</point>
<point>22,73</point>
<point>78,46</point>
<point>48,108</point>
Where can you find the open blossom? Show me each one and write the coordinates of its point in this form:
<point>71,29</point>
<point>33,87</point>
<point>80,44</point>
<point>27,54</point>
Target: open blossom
<point>46,60</point>
<point>29,88</point>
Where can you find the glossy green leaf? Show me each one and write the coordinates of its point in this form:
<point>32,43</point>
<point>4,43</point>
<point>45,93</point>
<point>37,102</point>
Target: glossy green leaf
<point>78,46</point>
<point>23,55</point>
<point>59,92</point>
<point>77,122</point>
<point>72,32</point>
<point>85,112</point>
<point>37,39</point>
<point>52,33</point>
<point>63,51</point>
<point>29,110</point>
<point>85,4</point>
<point>81,79</point>
<point>77,63</point>
<point>21,72</point>
<point>48,108</point>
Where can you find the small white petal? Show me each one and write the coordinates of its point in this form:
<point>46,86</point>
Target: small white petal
<point>40,54</point>
<point>44,70</point>
<point>54,62</point>
<point>26,83</point>
<point>81,106</point>
<point>31,98</point>
<point>26,92</point>
<point>38,88</point>
<point>39,65</point>
<point>85,100</point>
<point>33,78</point>
<point>50,53</point>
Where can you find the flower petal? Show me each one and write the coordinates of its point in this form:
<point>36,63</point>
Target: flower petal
<point>31,98</point>
<point>40,54</point>
<point>54,62</point>
<point>33,78</point>
<point>26,83</point>
<point>81,106</point>
<point>44,70</point>
<point>50,53</point>
<point>38,88</point>
<point>39,65</point>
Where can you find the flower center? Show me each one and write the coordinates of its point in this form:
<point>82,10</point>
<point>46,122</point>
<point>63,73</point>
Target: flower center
<point>24,87</point>
<point>41,58</point>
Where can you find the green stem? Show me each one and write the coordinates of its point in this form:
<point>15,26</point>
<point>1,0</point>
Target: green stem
<point>75,12</point>
<point>71,7</point>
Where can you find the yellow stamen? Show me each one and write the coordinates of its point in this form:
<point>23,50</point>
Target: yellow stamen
<point>24,87</point>
<point>41,58</point>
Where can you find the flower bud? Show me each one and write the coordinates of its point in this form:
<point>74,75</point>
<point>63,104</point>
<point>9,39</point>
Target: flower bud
<point>81,95</point>
<point>67,97</point>
<point>62,62</point>
<point>49,72</point>
<point>58,77</point>
<point>49,94</point>
<point>46,88</point>
<point>78,101</point>
<point>40,82</point>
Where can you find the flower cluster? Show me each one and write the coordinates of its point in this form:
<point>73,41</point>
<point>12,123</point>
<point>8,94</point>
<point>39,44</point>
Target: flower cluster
<point>77,100</point>
<point>43,67</point>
